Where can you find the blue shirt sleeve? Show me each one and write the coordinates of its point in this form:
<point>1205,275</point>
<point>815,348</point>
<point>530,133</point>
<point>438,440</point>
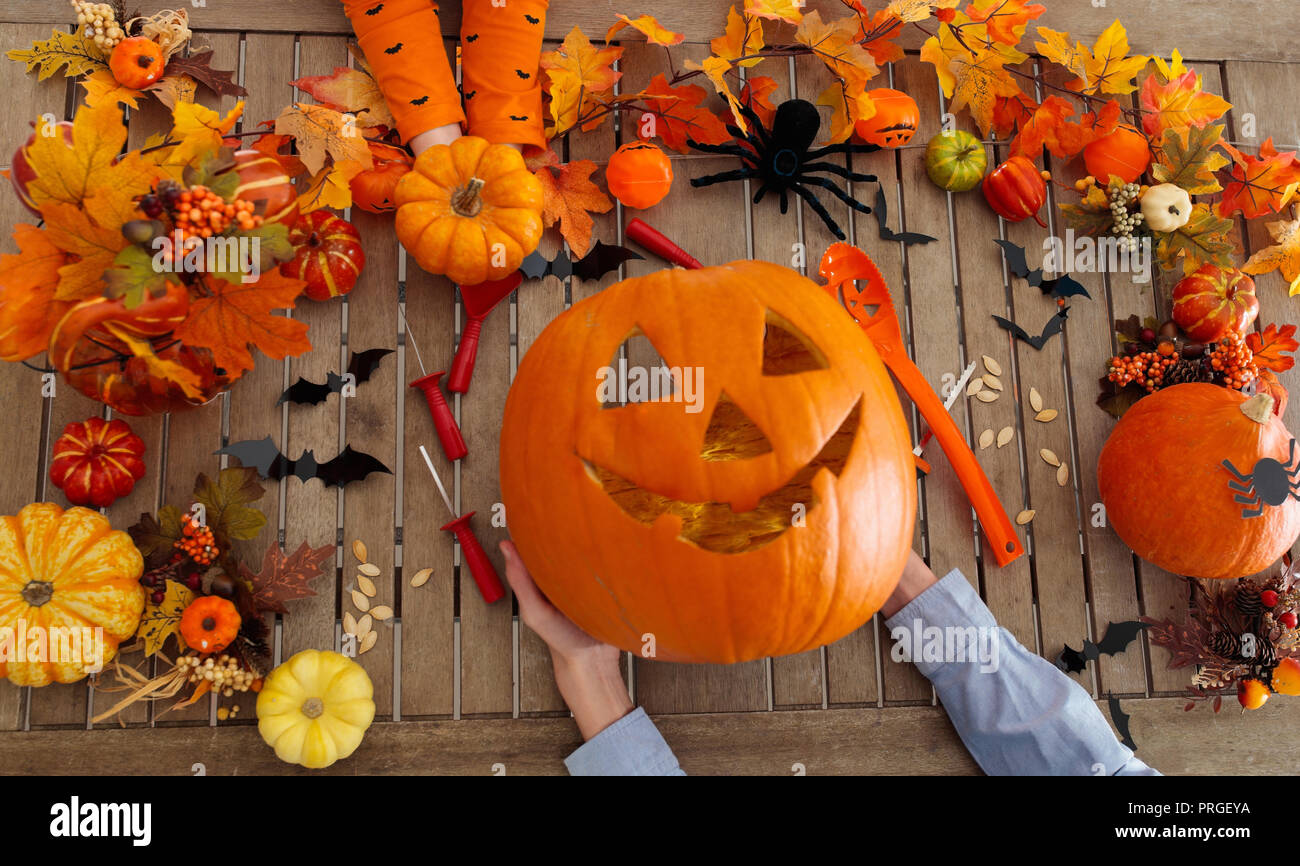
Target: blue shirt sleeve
<point>632,746</point>
<point>1015,711</point>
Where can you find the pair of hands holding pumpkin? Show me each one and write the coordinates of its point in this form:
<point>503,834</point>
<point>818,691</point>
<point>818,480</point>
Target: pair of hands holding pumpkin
<point>586,670</point>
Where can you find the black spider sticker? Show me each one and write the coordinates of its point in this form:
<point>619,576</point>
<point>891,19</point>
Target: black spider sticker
<point>396,48</point>
<point>1269,482</point>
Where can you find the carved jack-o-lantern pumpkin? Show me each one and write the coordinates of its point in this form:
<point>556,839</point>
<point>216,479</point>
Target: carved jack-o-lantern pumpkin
<point>761,505</point>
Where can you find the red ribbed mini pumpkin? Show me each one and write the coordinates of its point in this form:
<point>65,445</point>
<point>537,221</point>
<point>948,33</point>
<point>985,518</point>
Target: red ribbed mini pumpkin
<point>96,461</point>
<point>329,255</point>
<point>1171,499</point>
<point>765,509</point>
<point>1214,301</point>
<point>1016,190</point>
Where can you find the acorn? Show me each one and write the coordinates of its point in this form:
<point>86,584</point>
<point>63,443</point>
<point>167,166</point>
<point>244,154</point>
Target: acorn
<point>222,585</point>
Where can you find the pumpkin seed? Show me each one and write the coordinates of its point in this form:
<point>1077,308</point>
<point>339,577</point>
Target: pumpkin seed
<point>359,599</point>
<point>992,381</point>
<point>991,365</point>
<point>986,396</point>
<point>1063,475</point>
<point>976,385</point>
<point>986,439</point>
<point>349,623</point>
<point>381,613</point>
<point>359,550</point>
<point>421,577</point>
<point>364,625</point>
<point>1025,516</point>
<point>1046,415</point>
<point>366,585</point>
<point>1005,435</point>
<point>369,569</point>
<point>1049,457</point>
<point>368,642</point>
<point>1035,400</point>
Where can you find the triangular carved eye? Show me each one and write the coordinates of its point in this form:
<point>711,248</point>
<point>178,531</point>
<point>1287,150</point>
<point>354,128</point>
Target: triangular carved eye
<point>732,435</point>
<point>637,373</point>
<point>786,351</point>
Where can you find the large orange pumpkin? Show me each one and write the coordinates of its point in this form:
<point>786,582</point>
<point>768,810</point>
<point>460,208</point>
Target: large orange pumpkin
<point>470,210</point>
<point>1168,495</point>
<point>64,574</point>
<point>766,512</point>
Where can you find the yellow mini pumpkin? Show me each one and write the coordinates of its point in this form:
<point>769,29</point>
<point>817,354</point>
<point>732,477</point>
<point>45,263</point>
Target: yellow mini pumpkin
<point>67,579</point>
<point>315,708</point>
<point>470,210</point>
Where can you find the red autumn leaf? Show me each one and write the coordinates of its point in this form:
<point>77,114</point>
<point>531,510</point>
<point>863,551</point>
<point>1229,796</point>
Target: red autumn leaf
<point>679,115</point>
<point>1179,102</point>
<point>274,145</point>
<point>1273,348</point>
<point>236,316</point>
<point>1049,126</point>
<point>757,94</point>
<point>1005,20</point>
<point>284,578</point>
<point>570,199</point>
<point>1259,184</point>
<point>1011,112</point>
<point>878,35</point>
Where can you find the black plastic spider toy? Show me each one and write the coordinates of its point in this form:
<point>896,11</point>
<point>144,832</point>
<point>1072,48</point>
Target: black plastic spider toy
<point>1269,483</point>
<point>780,158</point>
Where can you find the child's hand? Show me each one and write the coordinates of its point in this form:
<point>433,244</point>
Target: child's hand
<point>917,578</point>
<point>586,670</point>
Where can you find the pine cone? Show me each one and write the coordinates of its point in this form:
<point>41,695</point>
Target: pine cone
<point>1265,653</point>
<point>1225,644</point>
<point>1186,371</point>
<point>1247,600</point>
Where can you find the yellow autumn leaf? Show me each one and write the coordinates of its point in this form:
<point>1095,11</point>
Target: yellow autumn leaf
<point>1283,255</point>
<point>1171,70</point>
<point>1056,47</point>
<point>190,383</point>
<point>102,88</point>
<point>836,44</point>
<point>68,174</point>
<point>849,103</point>
<point>576,73</point>
<point>161,621</point>
<point>789,11</point>
<point>331,187</point>
<point>1105,68</point>
<point>742,38</point>
<point>319,131</point>
<point>715,69</point>
<point>72,230</point>
<point>971,80</point>
<point>198,130</point>
<point>71,52</point>
<point>910,11</point>
<point>654,32</point>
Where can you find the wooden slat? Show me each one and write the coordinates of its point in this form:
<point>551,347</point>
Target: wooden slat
<point>1147,21</point>
<point>689,216</point>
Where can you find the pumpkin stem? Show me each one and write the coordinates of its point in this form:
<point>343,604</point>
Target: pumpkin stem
<point>313,707</point>
<point>1258,408</point>
<point>465,201</point>
<point>38,592</point>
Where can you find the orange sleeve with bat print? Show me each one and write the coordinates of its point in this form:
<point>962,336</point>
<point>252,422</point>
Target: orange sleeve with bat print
<point>501,43</point>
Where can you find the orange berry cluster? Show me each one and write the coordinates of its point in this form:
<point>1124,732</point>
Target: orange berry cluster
<point>1233,360</point>
<point>202,213</point>
<point>1145,368</point>
<point>197,541</point>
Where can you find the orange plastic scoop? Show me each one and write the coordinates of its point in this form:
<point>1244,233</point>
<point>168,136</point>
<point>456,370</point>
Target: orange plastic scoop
<point>841,266</point>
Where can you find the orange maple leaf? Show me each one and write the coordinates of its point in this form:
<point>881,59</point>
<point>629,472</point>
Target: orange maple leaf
<point>742,38</point>
<point>1179,103</point>
<point>1267,382</point>
<point>1005,20</point>
<point>757,94</point>
<point>971,77</point>
<point>270,144</point>
<point>1049,126</point>
<point>236,316</point>
<point>1010,112</point>
<point>570,199</point>
<point>654,32</point>
<point>835,43</point>
<point>92,246</point>
<point>1273,348</point>
<point>877,36</point>
<point>1260,184</point>
<point>28,278</point>
<point>680,116</point>
<point>350,90</point>
<point>1283,255</point>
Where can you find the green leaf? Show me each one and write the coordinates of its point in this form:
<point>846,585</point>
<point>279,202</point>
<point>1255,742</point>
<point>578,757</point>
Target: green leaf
<point>160,621</point>
<point>71,52</point>
<point>156,537</point>
<point>213,170</point>
<point>1091,216</point>
<point>1204,239</point>
<point>133,275</point>
<point>226,501</point>
<point>1188,158</point>
<point>270,242</point>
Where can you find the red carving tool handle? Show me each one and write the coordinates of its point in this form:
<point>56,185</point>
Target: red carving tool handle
<point>444,423</point>
<point>485,574</point>
<point>462,366</point>
<point>995,524</point>
<point>657,242</point>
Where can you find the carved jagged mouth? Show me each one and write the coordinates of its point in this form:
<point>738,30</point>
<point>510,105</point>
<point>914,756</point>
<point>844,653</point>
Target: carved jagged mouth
<point>714,526</point>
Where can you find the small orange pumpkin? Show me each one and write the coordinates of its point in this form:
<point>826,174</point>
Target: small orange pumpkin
<point>471,210</point>
<point>1016,190</point>
<point>894,122</point>
<point>137,62</point>
<point>374,188</point>
<point>1171,447</point>
<point>210,624</point>
<point>639,174</point>
<point>1123,153</point>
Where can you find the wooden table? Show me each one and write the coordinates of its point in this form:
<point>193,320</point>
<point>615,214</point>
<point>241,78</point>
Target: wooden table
<point>463,687</point>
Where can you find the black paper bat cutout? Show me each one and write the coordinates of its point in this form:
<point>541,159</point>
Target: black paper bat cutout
<point>1117,639</point>
<point>888,234</point>
<point>1051,329</point>
<point>1120,720</point>
<point>1063,286</point>
<point>265,457</point>
<point>360,365</point>
<point>599,260</point>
